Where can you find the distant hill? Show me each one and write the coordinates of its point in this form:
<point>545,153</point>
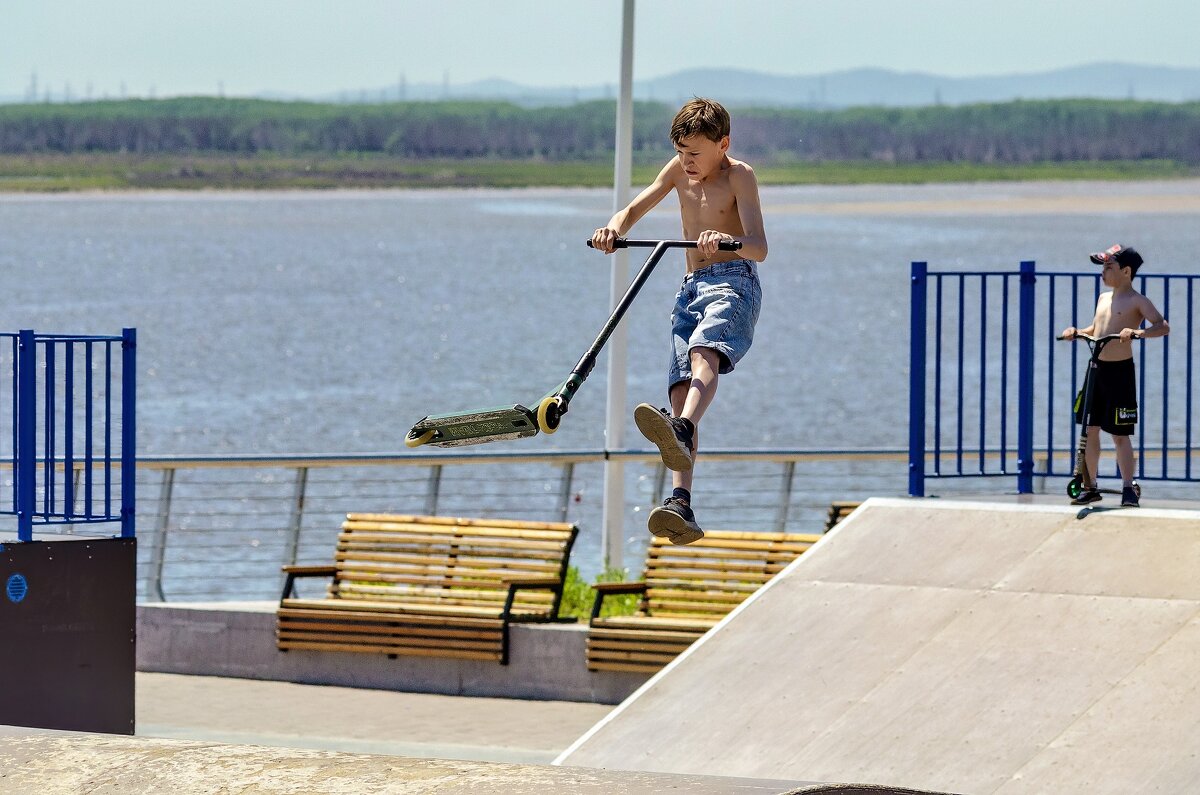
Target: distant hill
<point>908,89</point>
<point>855,87</point>
<point>850,88</point>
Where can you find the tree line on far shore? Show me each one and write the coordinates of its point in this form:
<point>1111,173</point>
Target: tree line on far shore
<point>1012,132</point>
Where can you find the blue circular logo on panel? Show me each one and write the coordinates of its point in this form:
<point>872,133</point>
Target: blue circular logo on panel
<point>16,588</point>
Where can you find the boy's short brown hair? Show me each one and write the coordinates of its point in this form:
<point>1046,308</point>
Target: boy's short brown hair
<point>700,117</point>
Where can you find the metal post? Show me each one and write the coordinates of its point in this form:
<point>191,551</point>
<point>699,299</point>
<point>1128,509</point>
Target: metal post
<point>1025,381</point>
<point>158,561</point>
<point>613,518</point>
<point>128,429</point>
<point>916,382</point>
<point>785,496</point>
<point>297,518</point>
<point>434,488</point>
<point>564,490</point>
<point>660,483</point>
<point>26,434</point>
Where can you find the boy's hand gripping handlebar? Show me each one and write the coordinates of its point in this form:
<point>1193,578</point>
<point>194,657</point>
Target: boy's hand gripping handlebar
<point>1089,338</point>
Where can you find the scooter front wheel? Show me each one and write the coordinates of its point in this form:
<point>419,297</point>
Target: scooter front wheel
<point>1075,487</point>
<point>420,439</point>
<point>549,413</point>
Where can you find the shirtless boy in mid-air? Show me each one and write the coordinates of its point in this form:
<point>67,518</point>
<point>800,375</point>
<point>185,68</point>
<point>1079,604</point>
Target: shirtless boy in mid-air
<point>718,303</point>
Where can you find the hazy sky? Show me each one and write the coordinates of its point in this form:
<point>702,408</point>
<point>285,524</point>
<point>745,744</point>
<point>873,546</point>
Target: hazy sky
<point>311,47</point>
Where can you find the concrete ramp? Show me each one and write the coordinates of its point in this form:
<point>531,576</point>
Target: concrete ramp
<point>966,647</point>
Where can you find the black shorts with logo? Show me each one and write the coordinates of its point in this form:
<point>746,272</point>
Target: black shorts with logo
<point>1114,399</point>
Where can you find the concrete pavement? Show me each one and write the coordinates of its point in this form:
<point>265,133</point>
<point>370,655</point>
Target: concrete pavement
<point>327,718</point>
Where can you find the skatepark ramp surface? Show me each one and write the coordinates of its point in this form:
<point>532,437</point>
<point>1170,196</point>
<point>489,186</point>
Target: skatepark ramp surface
<point>959,646</point>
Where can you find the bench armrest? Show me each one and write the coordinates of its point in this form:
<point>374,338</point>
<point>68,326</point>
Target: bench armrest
<point>516,584</point>
<point>608,588</point>
<point>605,589</point>
<point>292,572</point>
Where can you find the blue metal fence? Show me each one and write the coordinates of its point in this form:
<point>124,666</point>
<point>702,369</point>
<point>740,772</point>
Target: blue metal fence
<point>984,361</point>
<point>66,438</point>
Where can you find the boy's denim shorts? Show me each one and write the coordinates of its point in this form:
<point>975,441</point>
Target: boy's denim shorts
<point>717,307</point>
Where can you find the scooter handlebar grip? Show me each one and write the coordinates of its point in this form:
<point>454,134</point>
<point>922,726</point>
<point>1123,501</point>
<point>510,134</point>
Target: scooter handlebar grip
<point>620,242</point>
<point>732,245</point>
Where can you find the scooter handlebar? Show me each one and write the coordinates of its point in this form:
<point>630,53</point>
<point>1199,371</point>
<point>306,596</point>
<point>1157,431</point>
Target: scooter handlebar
<point>1090,338</point>
<point>620,242</point>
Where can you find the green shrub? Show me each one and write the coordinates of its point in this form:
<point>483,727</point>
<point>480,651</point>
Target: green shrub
<point>579,596</point>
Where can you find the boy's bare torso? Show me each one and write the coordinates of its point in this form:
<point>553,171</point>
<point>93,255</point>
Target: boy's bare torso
<point>708,204</point>
<point>1115,312</point>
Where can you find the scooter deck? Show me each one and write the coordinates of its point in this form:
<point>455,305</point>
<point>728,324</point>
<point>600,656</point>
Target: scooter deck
<point>477,426</point>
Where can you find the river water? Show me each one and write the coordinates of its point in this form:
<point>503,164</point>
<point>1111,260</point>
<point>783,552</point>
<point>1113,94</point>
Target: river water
<point>310,322</point>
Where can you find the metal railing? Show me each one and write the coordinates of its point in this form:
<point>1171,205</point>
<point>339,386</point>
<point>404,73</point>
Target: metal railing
<point>985,398</point>
<point>73,429</point>
<point>220,527</point>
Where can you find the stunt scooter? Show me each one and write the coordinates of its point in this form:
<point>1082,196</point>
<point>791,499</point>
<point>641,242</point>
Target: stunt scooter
<point>1082,476</point>
<point>516,422</point>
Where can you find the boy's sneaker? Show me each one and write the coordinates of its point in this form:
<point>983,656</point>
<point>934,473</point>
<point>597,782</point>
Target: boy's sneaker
<point>674,521</point>
<point>1087,496</point>
<point>673,436</point>
<point>1129,497</point>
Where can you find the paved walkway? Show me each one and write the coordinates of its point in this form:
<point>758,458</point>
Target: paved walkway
<point>361,721</point>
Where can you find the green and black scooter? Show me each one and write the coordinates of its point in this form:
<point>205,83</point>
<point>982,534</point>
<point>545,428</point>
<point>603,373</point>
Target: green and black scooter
<point>1081,476</point>
<point>516,422</point>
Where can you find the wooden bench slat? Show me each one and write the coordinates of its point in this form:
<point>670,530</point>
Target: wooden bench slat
<point>758,550</point>
<point>407,559</point>
<point>404,609</point>
<point>643,623</point>
<point>418,530</point>
<point>544,552</point>
<point>602,665</point>
<point>662,658</point>
<point>365,611</point>
<point>725,566</point>
<point>411,651</point>
<point>600,634</point>
<point>456,521</point>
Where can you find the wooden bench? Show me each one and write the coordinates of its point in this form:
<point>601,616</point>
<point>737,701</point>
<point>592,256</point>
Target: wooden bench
<point>685,592</point>
<point>429,586</point>
<point>839,510</point>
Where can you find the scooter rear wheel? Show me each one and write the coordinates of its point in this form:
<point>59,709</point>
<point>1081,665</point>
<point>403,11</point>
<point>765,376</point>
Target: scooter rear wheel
<point>549,414</point>
<point>1075,487</point>
<point>417,441</point>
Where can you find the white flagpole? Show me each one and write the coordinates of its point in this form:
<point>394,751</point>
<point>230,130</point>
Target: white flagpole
<point>612,542</point>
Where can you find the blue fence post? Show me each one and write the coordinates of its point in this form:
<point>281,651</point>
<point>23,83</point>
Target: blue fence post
<point>1025,380</point>
<point>916,382</point>
<point>26,433</point>
<point>128,429</point>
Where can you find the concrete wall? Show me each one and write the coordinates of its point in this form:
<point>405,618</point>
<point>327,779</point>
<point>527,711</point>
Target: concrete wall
<point>238,640</point>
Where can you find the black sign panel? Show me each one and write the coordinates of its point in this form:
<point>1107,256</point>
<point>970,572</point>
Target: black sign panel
<point>67,633</point>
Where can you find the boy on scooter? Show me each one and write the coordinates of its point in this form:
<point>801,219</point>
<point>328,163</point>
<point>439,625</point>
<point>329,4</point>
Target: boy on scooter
<point>718,303</point>
<point>1114,398</point>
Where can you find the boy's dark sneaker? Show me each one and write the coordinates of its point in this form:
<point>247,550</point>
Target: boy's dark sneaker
<point>1087,496</point>
<point>673,436</point>
<point>674,521</point>
<point>1129,497</point>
